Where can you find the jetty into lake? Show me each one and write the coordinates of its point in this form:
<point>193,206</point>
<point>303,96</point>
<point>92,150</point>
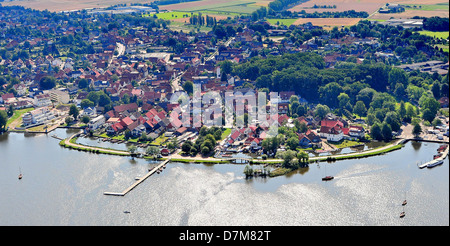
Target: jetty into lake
<point>139,180</point>
<point>439,160</point>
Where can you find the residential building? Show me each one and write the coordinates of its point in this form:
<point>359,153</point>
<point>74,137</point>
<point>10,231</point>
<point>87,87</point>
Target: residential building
<point>59,97</point>
<point>356,132</point>
<point>38,116</point>
<point>96,123</point>
<point>332,130</point>
<point>42,100</point>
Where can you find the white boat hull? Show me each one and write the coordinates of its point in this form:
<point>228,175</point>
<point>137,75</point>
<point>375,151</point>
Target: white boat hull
<point>435,163</point>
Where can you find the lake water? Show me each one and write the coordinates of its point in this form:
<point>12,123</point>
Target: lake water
<point>65,187</point>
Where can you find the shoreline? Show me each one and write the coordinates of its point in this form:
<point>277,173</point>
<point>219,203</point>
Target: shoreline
<point>278,171</point>
<point>67,143</point>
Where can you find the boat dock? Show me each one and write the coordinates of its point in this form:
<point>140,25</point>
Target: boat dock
<point>441,158</point>
<point>138,180</point>
<point>54,136</point>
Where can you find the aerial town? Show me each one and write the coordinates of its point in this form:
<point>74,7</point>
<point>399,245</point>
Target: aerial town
<point>246,113</point>
<point>112,76</point>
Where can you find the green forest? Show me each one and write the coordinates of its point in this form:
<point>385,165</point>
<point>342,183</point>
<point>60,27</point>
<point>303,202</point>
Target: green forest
<point>384,95</point>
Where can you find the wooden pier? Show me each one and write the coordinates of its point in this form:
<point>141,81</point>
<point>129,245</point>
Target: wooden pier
<point>444,155</point>
<point>138,180</point>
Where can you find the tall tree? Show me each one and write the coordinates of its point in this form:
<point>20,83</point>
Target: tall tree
<point>360,109</point>
<point>47,82</point>
<point>73,111</point>
<point>417,130</point>
<point>375,132</point>
<point>386,131</point>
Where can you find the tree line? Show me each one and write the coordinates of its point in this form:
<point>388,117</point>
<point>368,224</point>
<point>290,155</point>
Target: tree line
<point>280,5</point>
<point>436,24</point>
<point>167,2</point>
<point>202,20</point>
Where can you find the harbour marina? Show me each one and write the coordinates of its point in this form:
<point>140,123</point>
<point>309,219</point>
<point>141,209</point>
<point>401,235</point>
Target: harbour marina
<point>437,161</point>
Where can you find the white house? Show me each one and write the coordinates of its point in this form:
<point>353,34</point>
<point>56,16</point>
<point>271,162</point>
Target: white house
<point>42,100</point>
<point>21,89</point>
<point>97,122</point>
<point>38,116</point>
<point>332,130</point>
<point>356,131</point>
<point>89,111</point>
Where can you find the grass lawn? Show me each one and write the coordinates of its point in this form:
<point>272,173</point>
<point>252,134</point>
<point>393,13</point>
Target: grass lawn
<point>443,35</point>
<point>225,133</point>
<point>119,137</point>
<point>344,143</point>
<point>173,15</point>
<point>17,115</point>
<point>187,28</point>
<point>443,47</point>
<point>40,128</point>
<point>161,139</point>
<point>286,22</point>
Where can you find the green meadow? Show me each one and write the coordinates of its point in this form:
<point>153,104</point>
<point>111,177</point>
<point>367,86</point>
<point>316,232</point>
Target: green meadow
<point>171,15</point>
<point>428,7</point>
<point>286,22</point>
<point>443,35</point>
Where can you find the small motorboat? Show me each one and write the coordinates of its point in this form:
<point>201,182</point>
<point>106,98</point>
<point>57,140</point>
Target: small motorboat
<point>404,203</point>
<point>126,212</point>
<point>327,178</point>
<point>402,214</point>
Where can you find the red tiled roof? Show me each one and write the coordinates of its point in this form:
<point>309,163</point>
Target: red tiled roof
<point>346,130</point>
<point>331,123</point>
<point>125,107</point>
<point>126,121</point>
<point>235,135</point>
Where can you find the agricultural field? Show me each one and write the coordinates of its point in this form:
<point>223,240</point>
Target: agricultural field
<point>372,6</point>
<point>409,13</point>
<point>369,6</point>
<point>419,1</point>
<point>225,7</point>
<point>329,23</point>
<point>182,17</point>
<point>422,8</point>
<point>429,7</point>
<point>66,5</point>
